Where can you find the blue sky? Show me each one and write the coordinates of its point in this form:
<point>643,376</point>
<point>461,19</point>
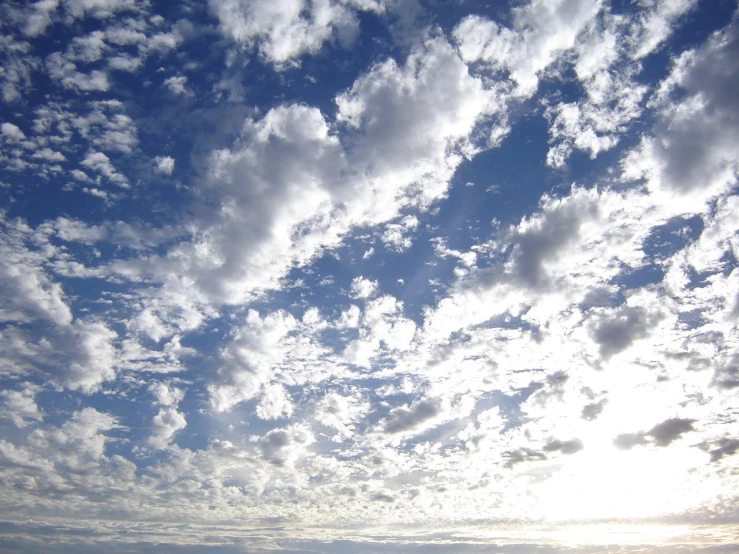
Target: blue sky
<point>369,275</point>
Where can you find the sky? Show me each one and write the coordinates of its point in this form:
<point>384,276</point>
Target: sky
<point>372,276</point>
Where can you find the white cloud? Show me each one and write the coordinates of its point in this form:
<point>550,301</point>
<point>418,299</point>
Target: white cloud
<point>604,317</point>
<point>176,84</point>
<point>108,129</point>
<point>124,63</point>
<point>124,36</point>
<point>80,356</point>
<point>363,288</point>
<point>165,164</point>
<point>285,446</point>
<point>87,49</point>
<point>468,259</point>
<point>654,26</point>
<point>287,29</point>
<point>381,326</point>
<point>541,32</point>
<point>100,163</point>
<point>396,235</point>
<point>414,125</point>
<point>28,292</point>
<point>78,445</point>
<point>77,231</point>
<point>40,17</point>
<point>349,318</point>
<point>289,188</point>
<point>608,48</point>
<point>18,64</point>
<point>257,350</point>
<point>20,407</point>
<point>166,394</point>
<point>608,69</point>
<point>75,353</point>
<point>275,403</point>
<point>165,425</point>
<point>12,133</point>
<point>65,73</point>
<point>697,149</point>
<point>341,412</point>
<point>49,155</point>
<point>101,9</point>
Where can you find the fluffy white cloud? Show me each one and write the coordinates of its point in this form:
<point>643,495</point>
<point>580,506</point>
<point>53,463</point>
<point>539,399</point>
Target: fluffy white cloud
<point>257,350</point>
<point>101,9</point>
<point>65,72</point>
<point>116,132</point>
<point>165,426</point>
<point>381,326</point>
<point>44,336</point>
<point>176,84</point>
<point>17,67</point>
<point>541,32</point>
<point>285,446</point>
<point>87,49</point>
<point>39,18</point>
<point>80,442</point>
<point>593,334</point>
<point>415,124</point>
<point>396,235</point>
<point>28,292</point>
<point>608,62</point>
<point>79,356</point>
<point>275,403</point>
<point>697,148</point>
<point>608,48</point>
<point>12,133</point>
<point>287,29</point>
<point>341,412</point>
<point>100,163</point>
<point>363,288</point>
<point>290,187</point>
<point>166,394</point>
<point>20,407</point>
<point>165,164</point>
<point>656,24</point>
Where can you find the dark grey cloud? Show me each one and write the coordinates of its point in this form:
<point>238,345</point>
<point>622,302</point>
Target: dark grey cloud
<point>565,447</point>
<point>404,419</point>
<point>617,331</point>
<point>599,297</point>
<point>591,411</point>
<point>539,244</point>
<point>663,434</point>
<point>726,447</point>
<point>557,379</point>
<point>670,430</point>
<point>726,375</point>
<point>551,389</point>
<point>273,445</point>
<point>519,455</point>
<point>382,497</point>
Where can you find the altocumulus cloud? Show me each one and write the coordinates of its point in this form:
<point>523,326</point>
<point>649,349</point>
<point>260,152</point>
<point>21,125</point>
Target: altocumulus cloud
<point>367,275</point>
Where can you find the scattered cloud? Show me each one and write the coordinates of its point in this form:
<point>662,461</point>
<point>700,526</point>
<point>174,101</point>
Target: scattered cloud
<point>319,331</point>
